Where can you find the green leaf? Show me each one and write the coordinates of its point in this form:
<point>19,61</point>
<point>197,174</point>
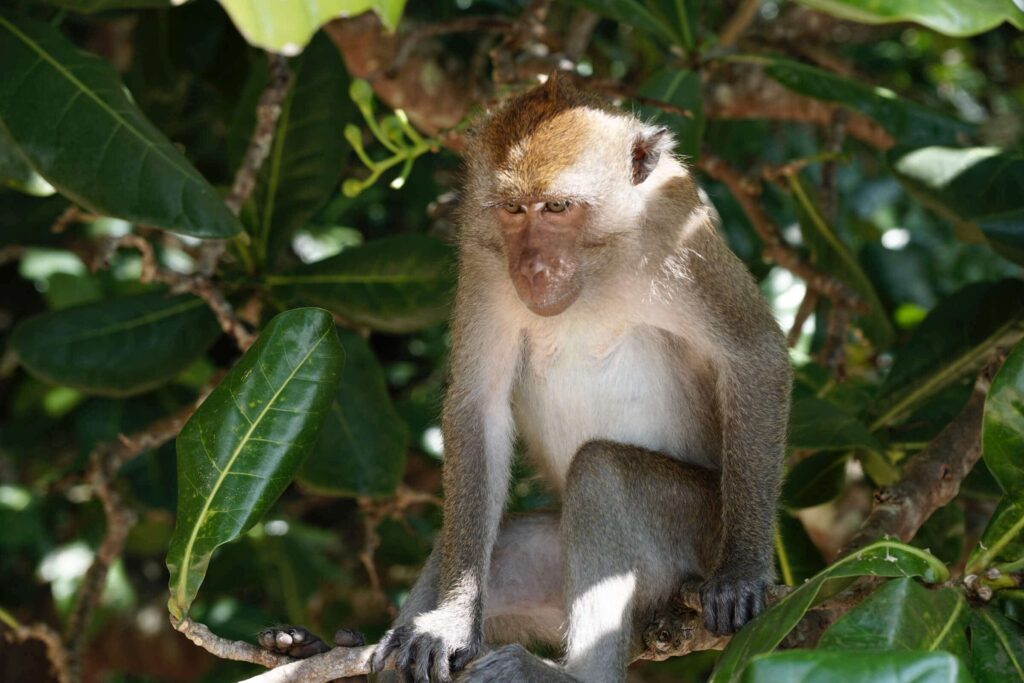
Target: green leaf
<point>821,666</point>
<point>943,534</point>
<point>309,150</point>
<point>819,425</point>
<point>680,88</point>
<point>903,615</point>
<point>978,189</point>
<point>16,172</point>
<point>116,347</point>
<point>1002,436</point>
<point>286,27</point>
<point>997,648</point>
<point>953,342</point>
<point>397,284</point>
<point>768,629</point>
<point>240,449</point>
<point>73,120</point>
<point>832,255</point>
<point>635,13</point>
<point>1011,602</point>
<point>815,480</point>
<point>361,451</point>
<point>951,17</point>
<point>1003,539</point>
<point>796,556</point>
<point>909,123</point>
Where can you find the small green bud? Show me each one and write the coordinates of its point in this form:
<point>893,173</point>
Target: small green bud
<point>351,187</point>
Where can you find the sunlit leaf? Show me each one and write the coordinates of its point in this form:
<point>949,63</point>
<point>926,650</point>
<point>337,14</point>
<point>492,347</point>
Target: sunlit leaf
<point>767,630</point>
<point>286,27</point>
<point>73,120</point>
<point>239,451</point>
<point>1003,539</point>
<point>951,17</point>
<point>116,347</point>
<point>822,666</point>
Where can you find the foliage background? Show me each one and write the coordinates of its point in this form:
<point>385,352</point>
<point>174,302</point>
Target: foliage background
<point>873,149</point>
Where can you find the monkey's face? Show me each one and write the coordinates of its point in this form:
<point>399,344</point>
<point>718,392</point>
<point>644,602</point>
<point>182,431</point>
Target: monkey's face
<point>541,238</point>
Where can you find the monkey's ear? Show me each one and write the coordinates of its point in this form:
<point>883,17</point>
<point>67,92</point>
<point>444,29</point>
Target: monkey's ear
<point>648,146</point>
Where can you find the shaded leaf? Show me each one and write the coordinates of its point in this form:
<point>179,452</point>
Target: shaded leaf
<point>1003,539</point>
<point>680,88</point>
<point>822,666</point>
<point>796,556</point>
<point>768,629</point>
<point>820,425</point>
<point>242,446</point>
<point>15,171</point>
<point>286,27</point>
<point>833,256</point>
<point>72,119</point>
<point>953,342</point>
<point>903,615</point>
<point>89,6</point>
<point>308,153</point>
<point>815,480</point>
<point>978,188</point>
<point>1002,436</point>
<point>397,284</point>
<point>997,648</point>
<point>908,122</point>
<point>635,13</point>
<point>361,451</point>
<point>951,17</point>
<point>116,347</point>
<point>943,534</point>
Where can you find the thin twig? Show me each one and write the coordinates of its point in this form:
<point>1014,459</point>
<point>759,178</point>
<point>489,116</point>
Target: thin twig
<point>804,312</point>
<point>56,653</point>
<point>738,22</point>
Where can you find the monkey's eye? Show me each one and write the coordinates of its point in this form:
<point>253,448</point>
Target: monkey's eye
<point>512,207</point>
<point>556,206</point>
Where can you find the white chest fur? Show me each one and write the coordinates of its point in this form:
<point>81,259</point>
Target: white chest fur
<point>604,382</point>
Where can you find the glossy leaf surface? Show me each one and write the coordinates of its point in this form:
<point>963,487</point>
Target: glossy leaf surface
<point>361,450</point>
<point>815,480</point>
<point>820,425</point>
<point>1003,539</point>
<point>72,119</point>
<point>241,448</point>
<point>952,17</point>
<point>117,347</point>
<point>1002,437</point>
<point>997,648</point>
<point>822,666</point>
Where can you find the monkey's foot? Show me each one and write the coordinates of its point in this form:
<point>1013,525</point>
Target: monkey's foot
<point>513,663</point>
<point>296,641</point>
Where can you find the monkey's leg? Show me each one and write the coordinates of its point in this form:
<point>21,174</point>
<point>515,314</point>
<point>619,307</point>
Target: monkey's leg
<point>635,526</point>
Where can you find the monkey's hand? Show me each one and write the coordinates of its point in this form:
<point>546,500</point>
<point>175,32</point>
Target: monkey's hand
<point>731,599</point>
<point>433,646</point>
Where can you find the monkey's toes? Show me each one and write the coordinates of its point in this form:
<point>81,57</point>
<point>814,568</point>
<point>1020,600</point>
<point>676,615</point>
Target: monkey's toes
<point>347,637</point>
<point>294,641</point>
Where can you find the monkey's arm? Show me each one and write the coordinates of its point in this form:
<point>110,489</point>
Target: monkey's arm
<point>477,431</point>
<point>732,325</point>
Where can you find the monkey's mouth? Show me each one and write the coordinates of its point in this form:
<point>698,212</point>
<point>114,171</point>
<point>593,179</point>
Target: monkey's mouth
<point>547,299</point>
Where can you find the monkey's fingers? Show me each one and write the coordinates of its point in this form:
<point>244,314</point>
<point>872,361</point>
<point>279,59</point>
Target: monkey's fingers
<point>346,637</point>
<point>294,641</point>
<point>387,646</point>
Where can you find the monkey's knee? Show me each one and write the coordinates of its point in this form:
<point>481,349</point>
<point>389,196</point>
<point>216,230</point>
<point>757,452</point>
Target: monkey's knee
<point>596,464</point>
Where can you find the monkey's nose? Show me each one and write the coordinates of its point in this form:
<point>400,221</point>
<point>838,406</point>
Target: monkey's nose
<point>535,266</point>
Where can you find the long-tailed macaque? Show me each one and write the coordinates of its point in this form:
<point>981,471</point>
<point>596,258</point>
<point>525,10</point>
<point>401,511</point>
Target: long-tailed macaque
<point>602,322</point>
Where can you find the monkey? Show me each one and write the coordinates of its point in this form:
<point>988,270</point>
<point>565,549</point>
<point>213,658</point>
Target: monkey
<point>601,322</point>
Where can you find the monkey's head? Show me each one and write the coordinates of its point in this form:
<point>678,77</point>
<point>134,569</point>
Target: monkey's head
<point>556,184</point>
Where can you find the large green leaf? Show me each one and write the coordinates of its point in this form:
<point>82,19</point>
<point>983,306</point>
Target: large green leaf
<point>680,88</point>
<point>240,449</point>
<point>832,255</point>
<point>1003,540</point>
<point>638,14</point>
<point>903,615</point>
<point>72,119</point>
<point>1002,437</point>
<point>953,342</point>
<point>16,172</point>
<point>997,648</point>
<point>116,347</point>
<point>308,153</point>
<point>822,666</point>
<point>397,284</point>
<point>361,451</point>
<point>819,425</point>
<point>815,480</point>
<point>952,17</point>
<point>767,630</point>
<point>978,188</point>
<point>796,557</point>
<point>286,27</point>
<point>909,123</point>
